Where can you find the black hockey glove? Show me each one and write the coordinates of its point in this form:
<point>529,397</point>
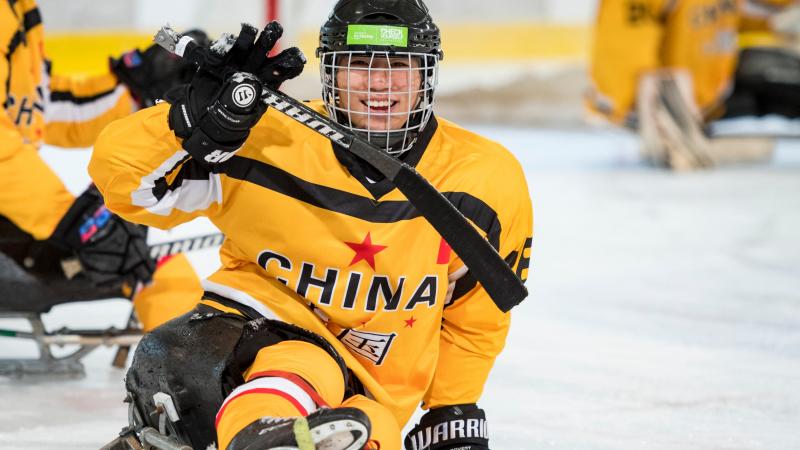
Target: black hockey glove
<point>111,251</point>
<point>458,427</point>
<point>148,75</point>
<point>215,112</point>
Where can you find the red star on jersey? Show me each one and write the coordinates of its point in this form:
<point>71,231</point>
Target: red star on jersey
<point>410,322</point>
<point>366,250</point>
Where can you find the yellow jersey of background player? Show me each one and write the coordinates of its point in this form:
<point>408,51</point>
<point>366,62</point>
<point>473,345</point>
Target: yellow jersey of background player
<point>42,108</point>
<point>633,38</point>
<point>38,108</point>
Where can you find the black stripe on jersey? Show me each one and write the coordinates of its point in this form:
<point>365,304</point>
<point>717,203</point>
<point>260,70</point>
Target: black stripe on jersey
<point>364,208</point>
<point>189,170</point>
<point>67,96</point>
<point>32,18</point>
<point>16,40</point>
<point>7,82</point>
<point>462,287</point>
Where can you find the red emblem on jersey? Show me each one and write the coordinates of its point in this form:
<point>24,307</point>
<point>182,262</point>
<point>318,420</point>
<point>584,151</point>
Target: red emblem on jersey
<point>365,250</point>
<point>444,252</point>
<point>410,322</point>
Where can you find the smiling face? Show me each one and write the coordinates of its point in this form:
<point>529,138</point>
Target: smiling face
<point>378,92</point>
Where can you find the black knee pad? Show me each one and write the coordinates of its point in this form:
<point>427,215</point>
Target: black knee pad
<point>199,358</point>
<point>263,332</point>
<point>186,358</point>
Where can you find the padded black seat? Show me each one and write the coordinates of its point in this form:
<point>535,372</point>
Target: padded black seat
<point>41,284</point>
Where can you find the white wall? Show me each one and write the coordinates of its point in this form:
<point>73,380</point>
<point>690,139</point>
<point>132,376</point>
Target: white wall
<point>219,15</point>
<point>149,15</point>
<point>310,13</point>
<point>212,15</point>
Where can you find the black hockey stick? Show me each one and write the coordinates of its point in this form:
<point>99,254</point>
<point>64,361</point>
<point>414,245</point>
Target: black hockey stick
<point>190,244</point>
<point>483,261</point>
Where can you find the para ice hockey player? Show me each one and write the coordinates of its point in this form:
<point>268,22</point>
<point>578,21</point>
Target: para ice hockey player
<point>36,210</point>
<point>666,68</point>
<point>338,308</point>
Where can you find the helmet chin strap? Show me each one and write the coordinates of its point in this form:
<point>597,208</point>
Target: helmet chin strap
<point>396,146</point>
<point>383,139</point>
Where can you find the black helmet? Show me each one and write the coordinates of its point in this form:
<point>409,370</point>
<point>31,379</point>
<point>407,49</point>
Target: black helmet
<point>422,34</point>
<point>386,30</point>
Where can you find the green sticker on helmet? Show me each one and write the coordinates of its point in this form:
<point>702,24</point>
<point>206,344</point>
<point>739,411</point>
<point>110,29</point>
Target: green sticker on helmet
<point>377,35</point>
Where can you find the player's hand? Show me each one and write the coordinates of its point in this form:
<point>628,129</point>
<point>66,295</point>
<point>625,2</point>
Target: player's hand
<point>111,251</point>
<point>149,74</point>
<point>273,71</point>
<point>458,427</point>
<point>214,113</point>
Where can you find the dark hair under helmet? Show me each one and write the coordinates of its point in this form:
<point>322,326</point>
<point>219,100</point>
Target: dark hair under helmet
<point>402,45</point>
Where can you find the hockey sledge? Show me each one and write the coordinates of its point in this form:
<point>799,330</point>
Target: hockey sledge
<point>138,436</point>
<point>32,282</point>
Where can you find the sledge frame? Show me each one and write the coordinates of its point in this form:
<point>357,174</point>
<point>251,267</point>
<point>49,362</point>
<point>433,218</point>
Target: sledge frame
<point>47,364</point>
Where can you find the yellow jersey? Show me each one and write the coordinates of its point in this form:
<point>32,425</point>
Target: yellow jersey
<point>312,241</point>
<point>634,37</point>
<point>39,108</point>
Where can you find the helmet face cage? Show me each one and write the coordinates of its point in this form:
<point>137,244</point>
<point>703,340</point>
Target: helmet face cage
<point>388,80</point>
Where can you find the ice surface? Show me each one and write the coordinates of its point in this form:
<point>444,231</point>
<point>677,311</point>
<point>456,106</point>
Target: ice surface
<point>664,312</point>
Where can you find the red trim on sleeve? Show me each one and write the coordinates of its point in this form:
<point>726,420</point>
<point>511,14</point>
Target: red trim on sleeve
<point>281,394</point>
<point>296,379</point>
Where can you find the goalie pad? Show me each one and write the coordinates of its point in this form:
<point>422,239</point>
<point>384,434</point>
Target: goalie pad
<point>787,22</point>
<point>672,133</point>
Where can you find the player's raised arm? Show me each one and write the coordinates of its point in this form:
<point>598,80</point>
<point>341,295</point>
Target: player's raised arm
<point>160,166</point>
<point>79,107</point>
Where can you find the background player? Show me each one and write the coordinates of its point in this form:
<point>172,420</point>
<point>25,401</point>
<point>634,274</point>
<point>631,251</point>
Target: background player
<point>35,206</point>
<point>667,68</point>
<point>334,292</point>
